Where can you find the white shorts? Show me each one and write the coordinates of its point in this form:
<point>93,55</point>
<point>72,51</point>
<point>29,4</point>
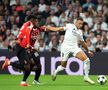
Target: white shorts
<point>66,51</point>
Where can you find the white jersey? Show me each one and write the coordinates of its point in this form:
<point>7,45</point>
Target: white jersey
<point>72,36</point>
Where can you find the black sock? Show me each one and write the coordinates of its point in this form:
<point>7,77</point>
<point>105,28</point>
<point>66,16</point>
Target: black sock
<point>17,65</point>
<point>26,74</point>
<point>37,74</point>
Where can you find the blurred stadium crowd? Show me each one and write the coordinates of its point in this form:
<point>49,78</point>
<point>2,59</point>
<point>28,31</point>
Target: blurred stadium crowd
<point>13,13</point>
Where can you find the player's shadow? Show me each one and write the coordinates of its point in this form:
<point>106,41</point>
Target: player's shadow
<point>62,84</point>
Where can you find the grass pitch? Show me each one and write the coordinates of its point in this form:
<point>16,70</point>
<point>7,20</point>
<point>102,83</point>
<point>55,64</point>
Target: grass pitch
<point>63,82</point>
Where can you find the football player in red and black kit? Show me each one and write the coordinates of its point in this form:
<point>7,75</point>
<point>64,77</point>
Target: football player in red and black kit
<point>28,56</point>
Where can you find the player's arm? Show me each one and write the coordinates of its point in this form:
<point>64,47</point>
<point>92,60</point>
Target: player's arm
<point>20,36</point>
<point>83,43</point>
<point>55,28</point>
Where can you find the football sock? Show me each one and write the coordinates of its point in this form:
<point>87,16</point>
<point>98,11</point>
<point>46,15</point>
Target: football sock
<point>86,66</point>
<point>37,74</point>
<point>26,74</point>
<point>59,68</point>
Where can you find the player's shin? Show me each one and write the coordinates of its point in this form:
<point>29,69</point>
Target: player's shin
<point>86,67</point>
<point>59,68</point>
<point>26,74</point>
<point>37,74</point>
<point>86,71</point>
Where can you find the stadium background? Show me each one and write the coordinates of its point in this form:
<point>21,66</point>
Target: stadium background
<point>13,14</point>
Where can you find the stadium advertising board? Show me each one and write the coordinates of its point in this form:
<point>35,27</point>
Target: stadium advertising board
<point>50,61</point>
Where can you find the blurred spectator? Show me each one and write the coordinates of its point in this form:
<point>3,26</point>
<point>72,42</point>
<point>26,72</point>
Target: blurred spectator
<point>75,16</point>
<point>19,7</point>
<point>54,18</point>
<point>62,19</point>
<point>103,24</point>
<point>2,21</point>
<point>53,5</point>
<point>69,11</point>
<point>15,30</point>
<point>98,31</point>
<point>60,42</point>
<point>98,43</point>
<point>5,44</point>
<point>105,45</point>
<point>35,9</point>
<point>76,5</point>
<point>92,38</point>
<point>46,13</point>
<point>88,19</point>
<point>53,43</point>
<point>87,4</point>
<point>90,45</point>
<point>3,31</point>
<point>1,41</point>
<point>42,5</point>
<point>86,30</point>
<point>99,5</point>
<point>59,10</point>
<point>42,47</point>
<point>13,13</point>
<point>37,41</point>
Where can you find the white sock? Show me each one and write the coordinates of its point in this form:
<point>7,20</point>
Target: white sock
<point>59,68</point>
<point>86,67</point>
<point>23,82</point>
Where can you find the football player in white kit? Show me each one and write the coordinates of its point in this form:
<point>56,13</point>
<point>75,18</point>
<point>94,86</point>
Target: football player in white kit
<point>73,35</point>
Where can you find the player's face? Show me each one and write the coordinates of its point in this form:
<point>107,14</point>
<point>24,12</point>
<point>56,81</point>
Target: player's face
<point>79,24</point>
<point>36,23</point>
<point>33,21</point>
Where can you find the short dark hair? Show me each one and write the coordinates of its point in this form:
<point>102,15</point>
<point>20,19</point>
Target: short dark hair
<point>79,18</point>
<point>31,17</point>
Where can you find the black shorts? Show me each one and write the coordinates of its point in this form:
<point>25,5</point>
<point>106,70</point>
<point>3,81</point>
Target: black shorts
<point>35,57</point>
<point>21,54</point>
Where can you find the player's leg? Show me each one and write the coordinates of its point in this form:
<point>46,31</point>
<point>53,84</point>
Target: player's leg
<point>24,61</point>
<point>37,75</point>
<point>36,68</point>
<point>22,64</point>
<point>82,56</point>
<point>16,65</point>
<point>25,76</point>
<point>64,57</point>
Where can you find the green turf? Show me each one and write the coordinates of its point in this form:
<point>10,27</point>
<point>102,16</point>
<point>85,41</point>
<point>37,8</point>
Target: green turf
<point>63,82</point>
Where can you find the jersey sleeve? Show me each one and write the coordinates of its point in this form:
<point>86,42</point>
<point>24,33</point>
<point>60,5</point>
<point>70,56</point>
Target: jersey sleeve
<point>42,28</point>
<point>80,37</point>
<point>21,32</point>
<point>67,26</point>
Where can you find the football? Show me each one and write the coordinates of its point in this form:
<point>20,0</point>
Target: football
<point>102,79</point>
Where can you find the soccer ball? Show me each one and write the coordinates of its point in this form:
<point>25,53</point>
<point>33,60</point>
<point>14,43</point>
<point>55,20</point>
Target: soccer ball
<point>101,79</point>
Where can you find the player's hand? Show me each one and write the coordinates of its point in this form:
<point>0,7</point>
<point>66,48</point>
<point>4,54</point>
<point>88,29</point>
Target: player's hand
<point>90,53</point>
<point>35,49</point>
<point>17,41</point>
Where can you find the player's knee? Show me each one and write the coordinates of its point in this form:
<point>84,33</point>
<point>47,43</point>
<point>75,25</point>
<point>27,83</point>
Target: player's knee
<point>31,62</point>
<point>27,67</point>
<point>87,60</point>
<point>63,64</point>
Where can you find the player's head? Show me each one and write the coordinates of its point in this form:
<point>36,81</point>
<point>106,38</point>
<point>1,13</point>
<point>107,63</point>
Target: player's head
<point>79,23</point>
<point>32,18</point>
